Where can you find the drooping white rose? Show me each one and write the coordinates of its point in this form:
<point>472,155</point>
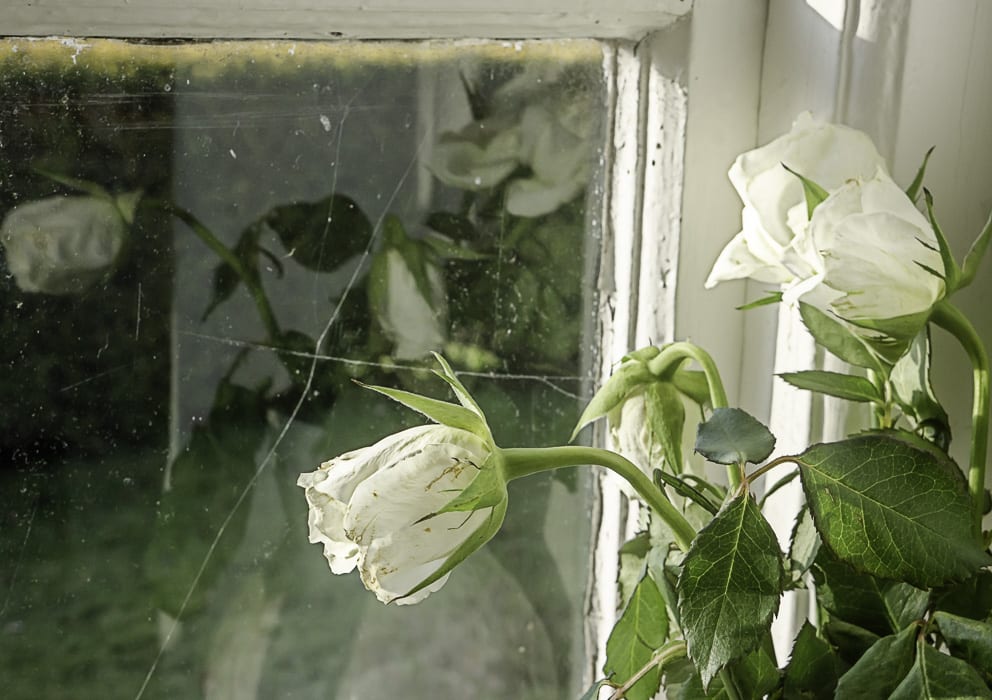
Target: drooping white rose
<point>869,246</point>
<point>63,245</point>
<point>774,205</point>
<point>377,508</point>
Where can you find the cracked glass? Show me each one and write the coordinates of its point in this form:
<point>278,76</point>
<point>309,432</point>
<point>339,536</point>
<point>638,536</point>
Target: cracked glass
<point>203,245</point>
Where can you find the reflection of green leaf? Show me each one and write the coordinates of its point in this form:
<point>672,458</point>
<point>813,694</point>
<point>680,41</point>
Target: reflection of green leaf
<point>729,587</point>
<point>225,279</point>
<point>321,235</point>
<point>892,506</point>
<point>641,630</point>
<point>207,480</point>
<point>843,386</point>
<point>732,436</point>
<point>813,668</point>
<point>936,675</point>
<point>881,669</point>
<point>967,639</point>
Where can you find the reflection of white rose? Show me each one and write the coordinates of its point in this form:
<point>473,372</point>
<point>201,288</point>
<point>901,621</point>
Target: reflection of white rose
<point>868,246</point>
<point>774,206</point>
<point>478,157</point>
<point>415,324</point>
<point>372,508</point>
<point>62,245</point>
<point>558,155</point>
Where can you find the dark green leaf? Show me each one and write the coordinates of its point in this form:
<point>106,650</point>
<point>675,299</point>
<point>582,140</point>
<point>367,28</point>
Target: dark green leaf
<point>892,506</point>
<point>881,606</point>
<point>913,191</point>
<point>732,436</point>
<point>729,587</point>
<point>208,479</point>
<point>838,339</point>
<point>971,598</point>
<point>952,273</point>
<point>629,377</point>
<point>843,386</point>
<point>321,235</point>
<point>881,669</point>
<point>975,254</point>
<point>935,675</point>
<point>850,641</point>
<point>757,674</point>
<point>666,419</point>
<point>638,545</point>
<point>968,639</point>
<point>772,298</point>
<point>813,192</point>
<point>682,683</point>
<point>641,630</point>
<point>813,668</point>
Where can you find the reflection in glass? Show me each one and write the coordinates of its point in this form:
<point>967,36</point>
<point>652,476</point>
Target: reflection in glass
<point>203,245</point>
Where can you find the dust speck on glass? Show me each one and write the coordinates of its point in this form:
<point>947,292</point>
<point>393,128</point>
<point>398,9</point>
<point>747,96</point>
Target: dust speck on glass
<point>203,244</point>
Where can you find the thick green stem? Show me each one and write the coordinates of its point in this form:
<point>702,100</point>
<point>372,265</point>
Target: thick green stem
<point>250,280</point>
<point>674,353</point>
<point>952,320</point>
<point>523,461</point>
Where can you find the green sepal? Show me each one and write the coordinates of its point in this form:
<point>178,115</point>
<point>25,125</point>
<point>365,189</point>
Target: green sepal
<point>913,191</point>
<point>881,669</point>
<point>935,675</point>
<point>772,298</point>
<point>443,412</point>
<point>892,336</point>
<point>838,339</point>
<point>733,436</point>
<point>665,415</point>
<point>685,489</point>
<point>479,537</point>
<point>486,490</point>
<point>910,378</point>
<point>693,384</point>
<point>641,631</point>
<point>461,393</point>
<point>629,377</point>
<point>968,639</point>
<point>975,254</point>
<point>915,528</point>
<point>813,193</point>
<point>843,386</point>
<point>952,273</point>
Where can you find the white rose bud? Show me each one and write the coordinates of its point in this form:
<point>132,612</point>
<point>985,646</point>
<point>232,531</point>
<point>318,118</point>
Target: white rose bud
<point>62,245</point>
<point>377,508</point>
<point>774,204</point>
<point>869,246</point>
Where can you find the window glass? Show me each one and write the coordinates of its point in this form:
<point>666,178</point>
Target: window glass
<point>203,244</point>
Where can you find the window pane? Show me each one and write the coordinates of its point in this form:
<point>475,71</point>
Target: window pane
<point>203,244</point>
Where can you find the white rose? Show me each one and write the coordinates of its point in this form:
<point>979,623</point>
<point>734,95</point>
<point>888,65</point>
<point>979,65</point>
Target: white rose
<point>774,205</point>
<point>375,508</point>
<point>62,245</point>
<point>868,246</point>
